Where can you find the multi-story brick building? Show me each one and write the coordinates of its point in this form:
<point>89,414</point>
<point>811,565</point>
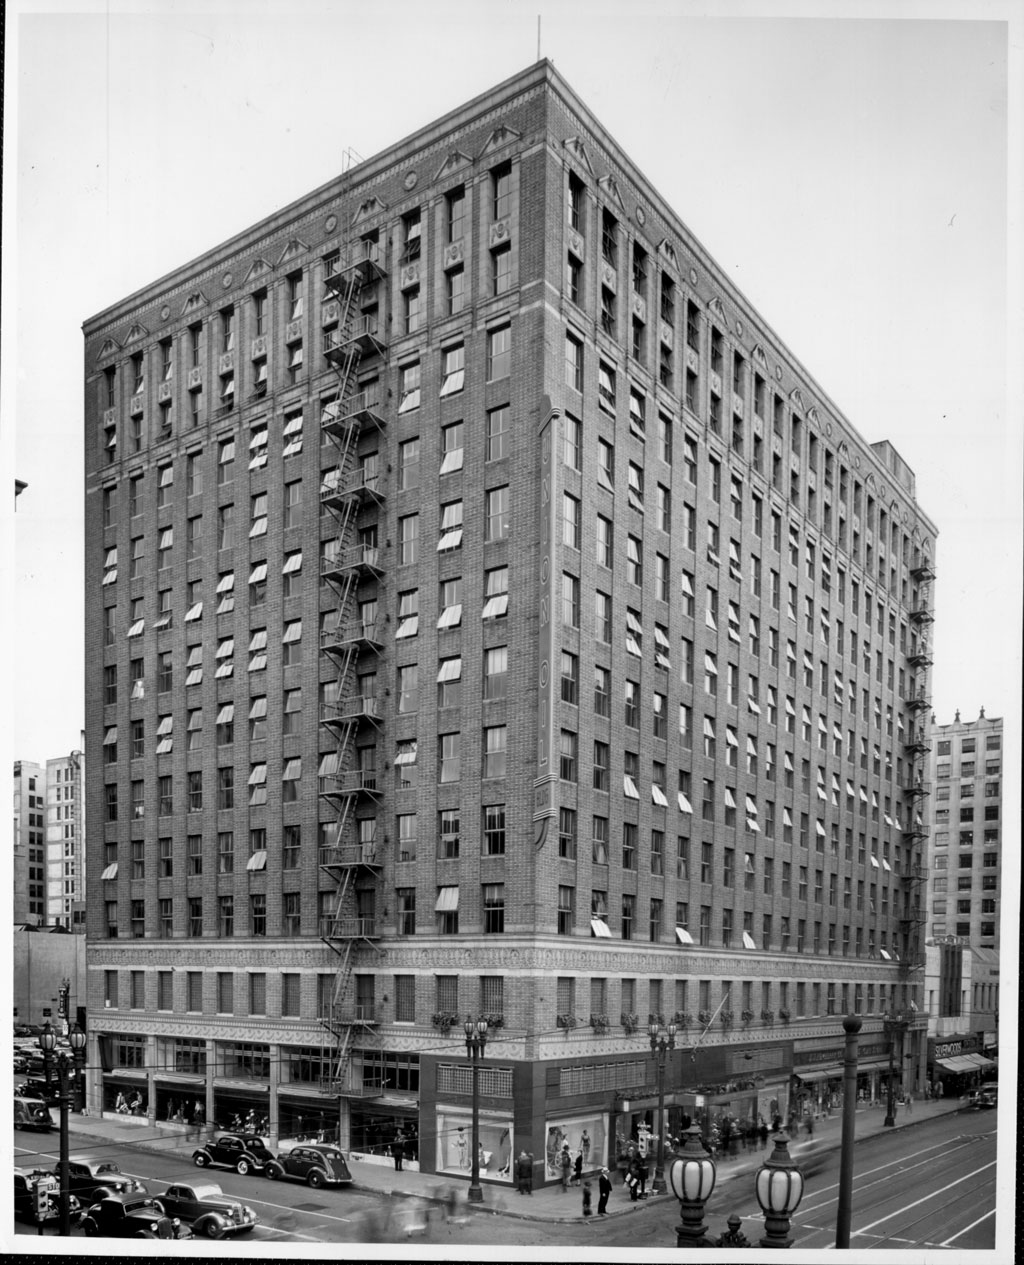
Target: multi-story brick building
<point>29,860</point>
<point>65,842</point>
<point>358,482</point>
<point>965,873</point>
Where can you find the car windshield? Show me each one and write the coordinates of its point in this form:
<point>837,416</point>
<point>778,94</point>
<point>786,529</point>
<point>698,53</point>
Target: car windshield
<point>106,1168</point>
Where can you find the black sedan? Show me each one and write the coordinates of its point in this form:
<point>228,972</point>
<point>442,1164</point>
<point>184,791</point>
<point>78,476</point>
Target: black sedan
<point>319,1165</point>
<point>244,1152</point>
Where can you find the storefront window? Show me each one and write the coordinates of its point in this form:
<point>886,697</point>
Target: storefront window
<point>586,1135</point>
<point>454,1135</point>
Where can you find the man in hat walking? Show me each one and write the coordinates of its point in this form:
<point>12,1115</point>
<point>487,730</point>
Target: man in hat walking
<point>604,1189</point>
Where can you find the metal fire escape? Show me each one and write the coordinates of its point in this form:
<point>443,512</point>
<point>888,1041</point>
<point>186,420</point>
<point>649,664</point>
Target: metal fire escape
<point>915,789</point>
<point>353,491</point>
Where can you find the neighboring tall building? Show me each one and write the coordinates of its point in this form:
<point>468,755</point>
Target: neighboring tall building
<point>29,843</point>
<point>358,482</point>
<point>965,866</point>
<point>65,842</point>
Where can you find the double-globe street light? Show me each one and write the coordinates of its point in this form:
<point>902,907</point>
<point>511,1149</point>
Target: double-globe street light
<point>476,1042</point>
<point>895,1024</point>
<point>778,1184</point>
<point>68,1067</point>
<point>662,1039</point>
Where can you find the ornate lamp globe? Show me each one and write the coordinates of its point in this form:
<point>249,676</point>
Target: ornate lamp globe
<point>692,1172</point>
<point>47,1039</point>
<point>77,1038</point>
<point>779,1186</point>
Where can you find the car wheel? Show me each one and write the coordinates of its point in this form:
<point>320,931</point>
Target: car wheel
<point>212,1229</point>
<point>272,1173</point>
<point>315,1178</point>
<point>200,1159</point>
<point>90,1227</point>
<point>242,1167</point>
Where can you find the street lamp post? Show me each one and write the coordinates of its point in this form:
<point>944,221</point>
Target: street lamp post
<point>65,1064</point>
<point>476,1042</point>
<point>779,1186</point>
<point>894,1025</point>
<point>662,1040</point>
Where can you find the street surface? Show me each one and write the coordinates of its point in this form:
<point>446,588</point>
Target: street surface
<point>931,1186</point>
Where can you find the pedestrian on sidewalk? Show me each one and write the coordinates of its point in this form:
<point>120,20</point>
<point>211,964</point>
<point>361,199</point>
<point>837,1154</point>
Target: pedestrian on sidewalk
<point>763,1132</point>
<point>604,1190</point>
<point>398,1150</point>
<point>587,1210</point>
<point>909,1103</point>
<point>643,1173</point>
<point>565,1161</point>
<point>577,1169</point>
<point>524,1173</point>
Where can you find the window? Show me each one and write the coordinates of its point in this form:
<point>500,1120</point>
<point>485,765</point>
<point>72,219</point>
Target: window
<point>405,899</point>
<point>495,746</point>
<point>501,271</point>
<point>601,766</point>
<point>448,834</point>
<point>609,237</point>
<point>606,386</point>
<point>571,600</point>
<point>450,770</point>
<point>495,593</point>
<point>409,387</point>
<point>453,370</point>
<point>573,277</point>
<point>406,828</point>
<point>495,672</point>
<point>451,448</point>
<point>570,521</point>
<point>567,756</point>
<point>408,465</point>
<point>494,830</point>
<point>499,353</point>
<point>602,691</point>
<point>573,363</point>
<point>497,433</point>
<point>493,900</point>
<point>566,910</point>
<point>501,192</point>
<point>408,539</point>
<point>455,213</point>
<point>570,669</point>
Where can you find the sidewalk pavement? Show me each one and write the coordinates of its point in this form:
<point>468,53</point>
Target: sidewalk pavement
<point>548,1203</point>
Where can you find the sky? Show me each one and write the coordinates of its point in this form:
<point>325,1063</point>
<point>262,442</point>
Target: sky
<point>848,173</point>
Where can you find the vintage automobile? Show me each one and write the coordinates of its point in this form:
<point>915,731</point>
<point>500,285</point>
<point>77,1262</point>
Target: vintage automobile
<point>92,1179</point>
<point>986,1096</point>
<point>319,1165</point>
<point>244,1152</point>
<point>205,1207</point>
<point>37,1197</point>
<point>49,1094</point>
<point>32,1113</point>
<point>131,1216</point>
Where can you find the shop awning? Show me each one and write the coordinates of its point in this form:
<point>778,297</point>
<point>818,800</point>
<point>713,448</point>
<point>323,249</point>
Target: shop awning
<point>959,1064</point>
<point>979,1060</point>
<point>825,1073</point>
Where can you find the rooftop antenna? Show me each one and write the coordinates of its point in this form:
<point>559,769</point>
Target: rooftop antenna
<point>538,37</point>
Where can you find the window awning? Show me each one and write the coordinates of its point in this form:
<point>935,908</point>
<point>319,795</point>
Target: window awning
<point>450,670</point>
<point>258,860</point>
<point>258,573</point>
<point>226,648</point>
<point>684,804</point>
<point>658,795</point>
<point>786,817</point>
<point>632,647</point>
<point>293,632</point>
<point>600,928</point>
<point>634,624</point>
<point>710,666</point>
<point>730,737</point>
<point>751,806</point>
<point>886,865</point>
<point>629,787</point>
<point>752,826</point>
<point>257,711</point>
<point>787,760</point>
<point>408,756</point>
<point>292,563</point>
<point>885,954</point>
<point>328,763</point>
<point>790,709</point>
<point>661,639</point>
<point>709,727</point>
<point>447,900</point>
<point>683,936</point>
<point>110,871</point>
<point>166,725</point>
<point>874,861</point>
<point>730,798</point>
<point>110,737</point>
<point>819,829</point>
<point>258,775</point>
<point>748,941</point>
<point>293,425</point>
<point>849,788</point>
<point>687,586</point>
<point>752,705</point>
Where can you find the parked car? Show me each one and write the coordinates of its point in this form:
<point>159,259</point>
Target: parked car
<point>32,1113</point>
<point>205,1207</point>
<point>131,1216</point>
<point>27,1183</point>
<point>244,1152</point>
<point>49,1094</point>
<point>986,1096</point>
<point>319,1165</point>
<point>93,1179</point>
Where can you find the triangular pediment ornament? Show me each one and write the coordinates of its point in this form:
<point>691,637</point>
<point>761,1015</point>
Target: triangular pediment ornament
<point>668,253</point>
<point>136,333</point>
<point>894,508</point>
<point>368,209</point>
<point>759,356</point>
<point>455,161</point>
<point>110,347</point>
<point>501,136</point>
<point>579,151</point>
<point>797,398</point>
<point>194,301</point>
<point>812,414</point>
<point>292,251</point>
<point>715,306</point>
<point>258,269</point>
<point>844,451</point>
<point>611,189</point>
<point>869,479</point>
